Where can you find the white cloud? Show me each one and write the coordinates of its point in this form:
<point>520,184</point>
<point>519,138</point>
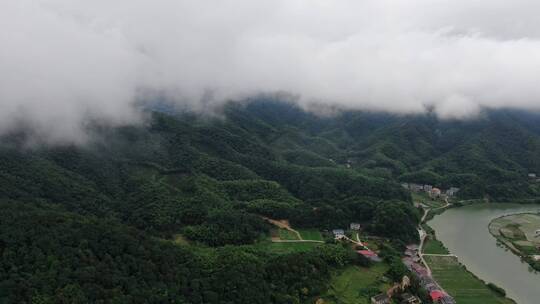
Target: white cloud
<point>65,61</point>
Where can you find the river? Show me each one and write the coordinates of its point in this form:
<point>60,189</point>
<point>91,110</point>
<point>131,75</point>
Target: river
<point>464,231</point>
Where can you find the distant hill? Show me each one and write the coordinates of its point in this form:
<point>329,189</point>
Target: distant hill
<point>491,155</point>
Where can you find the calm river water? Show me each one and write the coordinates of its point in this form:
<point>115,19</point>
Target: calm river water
<point>465,233</point>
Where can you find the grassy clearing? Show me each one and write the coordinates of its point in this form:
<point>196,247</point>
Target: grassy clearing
<point>424,198</point>
<point>311,234</point>
<point>284,248</point>
<point>285,234</point>
<point>180,239</point>
<point>345,286</point>
<point>433,246</point>
<point>460,283</point>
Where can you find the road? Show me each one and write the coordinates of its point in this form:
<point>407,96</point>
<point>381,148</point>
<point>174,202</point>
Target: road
<point>423,234</point>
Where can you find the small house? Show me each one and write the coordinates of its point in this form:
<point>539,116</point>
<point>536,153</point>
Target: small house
<point>355,226</point>
<point>408,298</point>
<point>436,295</point>
<point>338,233</point>
<point>416,187</point>
<point>411,251</point>
<point>447,300</point>
<point>419,270</point>
<point>452,191</point>
<point>435,192</point>
<point>431,287</point>
<point>428,188</point>
<point>408,261</point>
<point>532,175</point>
<point>380,299</point>
<point>370,255</point>
<point>412,247</point>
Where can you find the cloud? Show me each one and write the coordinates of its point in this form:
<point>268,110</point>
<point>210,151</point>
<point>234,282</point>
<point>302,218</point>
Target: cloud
<point>65,62</point>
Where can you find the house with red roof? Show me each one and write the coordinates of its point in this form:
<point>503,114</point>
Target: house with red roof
<point>368,254</point>
<point>436,295</point>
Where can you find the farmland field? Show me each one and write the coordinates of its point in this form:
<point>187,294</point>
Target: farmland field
<point>461,284</point>
<point>349,285</point>
<point>284,248</point>
<point>433,246</point>
<point>519,233</point>
<point>311,234</point>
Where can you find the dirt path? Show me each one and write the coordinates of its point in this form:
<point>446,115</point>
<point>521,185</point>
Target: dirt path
<point>441,255</point>
<point>423,236</point>
<point>283,224</point>
<point>353,241</point>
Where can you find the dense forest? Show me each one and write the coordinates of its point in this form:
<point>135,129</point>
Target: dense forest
<point>93,223</point>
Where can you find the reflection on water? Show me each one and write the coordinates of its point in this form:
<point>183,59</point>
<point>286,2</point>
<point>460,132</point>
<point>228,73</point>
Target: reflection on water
<point>465,232</point>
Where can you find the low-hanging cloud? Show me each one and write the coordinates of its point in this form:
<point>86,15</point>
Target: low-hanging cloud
<point>63,62</point>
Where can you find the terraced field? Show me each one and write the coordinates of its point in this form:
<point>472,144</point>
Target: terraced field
<point>460,283</point>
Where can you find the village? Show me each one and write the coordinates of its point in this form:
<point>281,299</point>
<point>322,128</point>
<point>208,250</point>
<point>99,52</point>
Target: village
<point>413,256</point>
<point>429,198</point>
<point>432,191</point>
<point>414,262</point>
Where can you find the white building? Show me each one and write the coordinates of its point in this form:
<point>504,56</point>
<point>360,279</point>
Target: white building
<point>452,191</point>
<point>338,233</point>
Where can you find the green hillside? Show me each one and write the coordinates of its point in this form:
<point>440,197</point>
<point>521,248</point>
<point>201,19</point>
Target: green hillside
<point>97,223</point>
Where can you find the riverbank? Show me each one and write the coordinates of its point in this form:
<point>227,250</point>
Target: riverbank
<point>462,284</point>
<point>463,231</point>
<point>518,233</point>
<point>445,268</point>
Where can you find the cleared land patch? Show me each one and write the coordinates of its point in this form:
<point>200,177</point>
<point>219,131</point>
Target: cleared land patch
<point>285,234</point>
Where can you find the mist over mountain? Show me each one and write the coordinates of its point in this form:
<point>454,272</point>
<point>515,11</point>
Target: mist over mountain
<point>266,152</point>
<point>65,63</point>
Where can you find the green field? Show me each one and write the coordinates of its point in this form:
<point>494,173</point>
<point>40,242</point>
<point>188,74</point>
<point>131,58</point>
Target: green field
<point>433,246</point>
<point>517,228</point>
<point>424,198</point>
<point>346,286</point>
<point>284,248</point>
<point>285,234</point>
<point>461,284</point>
<point>518,233</point>
<point>311,234</point>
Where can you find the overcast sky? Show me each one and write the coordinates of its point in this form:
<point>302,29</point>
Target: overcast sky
<point>65,61</point>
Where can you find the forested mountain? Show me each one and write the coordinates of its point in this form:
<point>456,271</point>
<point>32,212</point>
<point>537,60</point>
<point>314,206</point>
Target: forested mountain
<point>94,223</point>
